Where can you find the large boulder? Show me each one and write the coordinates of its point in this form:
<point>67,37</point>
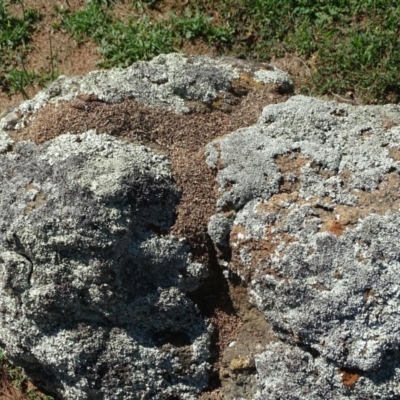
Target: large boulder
<point>92,298</point>
<point>173,82</point>
<point>310,211</point>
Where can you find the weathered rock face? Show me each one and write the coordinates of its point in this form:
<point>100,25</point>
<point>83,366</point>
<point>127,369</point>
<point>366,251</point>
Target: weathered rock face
<point>105,243</point>
<point>312,205</point>
<point>173,82</point>
<point>89,292</point>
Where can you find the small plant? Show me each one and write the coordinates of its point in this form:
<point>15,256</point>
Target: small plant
<point>348,46</point>
<point>14,45</point>
<point>14,385</point>
<point>140,39</point>
<point>18,79</point>
<point>89,23</point>
<point>142,4</point>
<point>191,25</point>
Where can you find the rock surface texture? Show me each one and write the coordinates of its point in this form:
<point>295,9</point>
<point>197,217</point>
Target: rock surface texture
<point>87,287</point>
<point>182,229</point>
<point>312,201</point>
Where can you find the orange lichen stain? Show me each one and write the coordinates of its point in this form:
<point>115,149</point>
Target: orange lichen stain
<point>218,102</point>
<point>270,271</point>
<point>258,249</point>
<point>337,275</point>
<point>349,377</point>
<point>388,123</point>
<point>245,83</point>
<point>336,228</point>
<point>37,200</point>
<point>30,186</point>
<point>394,153</point>
<point>241,363</point>
<point>277,203</point>
<point>319,286</point>
<point>238,234</point>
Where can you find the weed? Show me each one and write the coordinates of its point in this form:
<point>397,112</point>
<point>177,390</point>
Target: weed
<point>14,385</point>
<point>349,46</point>
<point>140,39</point>
<point>89,23</point>
<point>15,35</point>
<point>18,79</point>
<point>142,4</point>
<point>14,38</point>
<point>353,45</point>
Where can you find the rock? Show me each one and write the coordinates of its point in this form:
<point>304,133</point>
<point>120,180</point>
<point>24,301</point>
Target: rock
<point>219,228</point>
<point>173,82</point>
<point>315,195</point>
<point>125,275</point>
<point>93,300</point>
<point>5,142</point>
<point>95,284</point>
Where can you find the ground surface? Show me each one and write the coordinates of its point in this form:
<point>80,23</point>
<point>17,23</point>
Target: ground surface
<point>183,138</point>
<point>53,51</point>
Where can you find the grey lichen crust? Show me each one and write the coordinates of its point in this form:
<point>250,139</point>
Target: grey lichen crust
<point>171,81</point>
<point>315,195</point>
<point>5,142</point>
<point>93,299</point>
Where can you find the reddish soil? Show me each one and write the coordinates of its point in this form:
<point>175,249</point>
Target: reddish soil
<point>53,48</point>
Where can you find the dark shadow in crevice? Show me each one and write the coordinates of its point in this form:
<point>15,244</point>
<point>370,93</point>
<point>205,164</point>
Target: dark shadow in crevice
<point>213,295</point>
<point>214,292</point>
<point>177,339</point>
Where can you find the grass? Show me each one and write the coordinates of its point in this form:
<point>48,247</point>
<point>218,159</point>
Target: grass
<point>141,37</point>
<point>349,46</point>
<point>15,35</point>
<point>14,44</point>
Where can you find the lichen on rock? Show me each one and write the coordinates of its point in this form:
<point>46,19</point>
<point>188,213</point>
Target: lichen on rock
<point>315,192</point>
<point>105,243</point>
<point>170,81</point>
<point>99,251</point>
<point>93,298</point>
